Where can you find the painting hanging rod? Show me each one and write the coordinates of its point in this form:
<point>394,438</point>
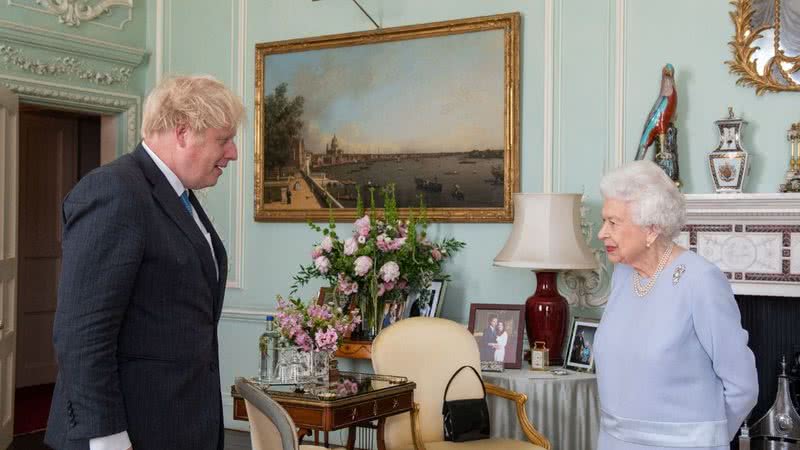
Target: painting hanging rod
<point>363,11</point>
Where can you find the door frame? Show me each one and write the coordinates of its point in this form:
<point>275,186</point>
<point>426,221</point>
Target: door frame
<point>125,108</point>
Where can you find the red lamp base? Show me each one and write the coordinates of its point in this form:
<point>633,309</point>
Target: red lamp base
<point>546,316</point>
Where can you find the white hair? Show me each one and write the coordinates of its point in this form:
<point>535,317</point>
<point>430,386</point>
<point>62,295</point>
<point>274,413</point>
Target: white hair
<point>652,197</point>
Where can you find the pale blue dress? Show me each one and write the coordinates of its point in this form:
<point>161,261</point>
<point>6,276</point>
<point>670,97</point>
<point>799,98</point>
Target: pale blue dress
<point>673,367</point>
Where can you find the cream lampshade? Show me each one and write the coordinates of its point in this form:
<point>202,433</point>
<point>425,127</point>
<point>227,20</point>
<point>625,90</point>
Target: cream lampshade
<point>546,237</point>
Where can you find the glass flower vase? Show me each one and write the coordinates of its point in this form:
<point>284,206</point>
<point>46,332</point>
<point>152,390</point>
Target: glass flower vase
<point>370,307</point>
<point>319,366</point>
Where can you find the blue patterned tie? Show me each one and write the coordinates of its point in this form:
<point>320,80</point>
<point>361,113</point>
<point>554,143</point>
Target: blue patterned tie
<point>186,203</point>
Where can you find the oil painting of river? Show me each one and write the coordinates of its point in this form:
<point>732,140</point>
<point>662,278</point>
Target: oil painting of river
<point>430,109</point>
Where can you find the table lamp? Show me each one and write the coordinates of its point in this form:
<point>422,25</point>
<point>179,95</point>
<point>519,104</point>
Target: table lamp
<point>546,238</point>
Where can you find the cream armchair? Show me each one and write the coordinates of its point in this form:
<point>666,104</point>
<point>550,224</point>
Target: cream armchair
<point>271,427</point>
<point>428,351</point>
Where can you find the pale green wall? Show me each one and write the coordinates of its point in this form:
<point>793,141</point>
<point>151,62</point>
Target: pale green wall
<point>204,36</point>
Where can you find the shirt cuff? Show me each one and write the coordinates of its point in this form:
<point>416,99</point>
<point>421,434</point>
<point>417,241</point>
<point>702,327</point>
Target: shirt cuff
<point>119,441</point>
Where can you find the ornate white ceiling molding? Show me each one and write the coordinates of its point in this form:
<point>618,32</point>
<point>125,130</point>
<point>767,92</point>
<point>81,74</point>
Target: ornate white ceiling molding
<point>72,12</point>
<point>53,41</point>
<point>83,99</point>
<point>66,66</point>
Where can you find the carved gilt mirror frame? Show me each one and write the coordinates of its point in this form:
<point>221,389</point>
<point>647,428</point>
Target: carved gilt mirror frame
<point>766,44</point>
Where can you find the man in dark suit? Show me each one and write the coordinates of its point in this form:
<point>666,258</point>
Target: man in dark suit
<point>489,337</point>
<point>142,284</point>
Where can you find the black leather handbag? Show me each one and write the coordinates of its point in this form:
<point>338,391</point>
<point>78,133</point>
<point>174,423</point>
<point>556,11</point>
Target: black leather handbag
<point>467,419</point>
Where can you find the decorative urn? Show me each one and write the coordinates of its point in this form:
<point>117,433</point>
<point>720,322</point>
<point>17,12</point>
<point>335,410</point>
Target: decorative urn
<point>729,163</point>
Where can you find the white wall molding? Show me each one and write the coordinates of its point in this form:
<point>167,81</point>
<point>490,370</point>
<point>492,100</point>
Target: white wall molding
<point>245,314</point>
<point>69,43</point>
<point>618,151</point>
<point>78,98</point>
<point>63,66</point>
<point>237,227</point>
<point>547,144</point>
<point>72,12</point>
<point>159,50</point>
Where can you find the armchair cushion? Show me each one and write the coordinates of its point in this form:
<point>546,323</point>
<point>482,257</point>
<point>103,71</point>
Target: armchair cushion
<point>428,351</point>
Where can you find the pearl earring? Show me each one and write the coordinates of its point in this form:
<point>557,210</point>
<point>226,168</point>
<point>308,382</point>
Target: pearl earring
<point>647,244</point>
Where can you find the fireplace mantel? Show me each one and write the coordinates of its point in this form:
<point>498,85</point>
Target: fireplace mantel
<point>753,238</point>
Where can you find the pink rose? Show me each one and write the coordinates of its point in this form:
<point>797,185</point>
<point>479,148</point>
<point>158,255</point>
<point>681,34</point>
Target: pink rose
<point>362,226</point>
<point>350,246</point>
<point>390,271</point>
<point>322,264</point>
<point>326,244</point>
<point>316,253</point>
<point>436,254</point>
<point>363,264</point>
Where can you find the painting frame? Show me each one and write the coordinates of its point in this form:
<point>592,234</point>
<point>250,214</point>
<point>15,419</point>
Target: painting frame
<point>575,360</point>
<point>266,206</point>
<point>485,312</point>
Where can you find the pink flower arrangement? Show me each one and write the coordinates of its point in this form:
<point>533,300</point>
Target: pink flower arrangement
<point>383,259</point>
<point>314,327</point>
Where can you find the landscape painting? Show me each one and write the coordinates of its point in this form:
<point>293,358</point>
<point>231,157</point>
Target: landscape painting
<point>429,109</point>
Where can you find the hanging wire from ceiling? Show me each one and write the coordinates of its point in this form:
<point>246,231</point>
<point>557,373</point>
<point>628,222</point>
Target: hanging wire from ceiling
<point>363,11</point>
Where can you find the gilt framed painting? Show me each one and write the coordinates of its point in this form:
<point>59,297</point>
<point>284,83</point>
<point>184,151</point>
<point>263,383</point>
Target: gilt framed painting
<point>431,109</point>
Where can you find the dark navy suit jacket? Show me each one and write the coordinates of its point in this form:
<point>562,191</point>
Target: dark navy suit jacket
<point>136,324</point>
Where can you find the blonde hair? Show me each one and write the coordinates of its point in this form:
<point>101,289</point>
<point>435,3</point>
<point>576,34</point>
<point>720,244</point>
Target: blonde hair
<point>653,197</point>
<point>198,102</point>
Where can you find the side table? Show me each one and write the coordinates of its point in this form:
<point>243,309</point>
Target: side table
<point>565,408</point>
<point>356,400</point>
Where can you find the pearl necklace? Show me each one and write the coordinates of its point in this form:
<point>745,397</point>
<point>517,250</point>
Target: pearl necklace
<point>640,290</point>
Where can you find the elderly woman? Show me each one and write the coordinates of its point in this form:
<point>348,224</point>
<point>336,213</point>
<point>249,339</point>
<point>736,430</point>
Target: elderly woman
<point>673,367</point>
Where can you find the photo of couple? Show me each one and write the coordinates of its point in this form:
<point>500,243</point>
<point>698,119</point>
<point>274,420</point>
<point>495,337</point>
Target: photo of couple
<point>498,331</point>
<point>494,340</point>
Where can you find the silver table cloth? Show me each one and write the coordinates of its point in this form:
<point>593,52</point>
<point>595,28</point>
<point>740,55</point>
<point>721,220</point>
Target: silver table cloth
<point>565,408</point>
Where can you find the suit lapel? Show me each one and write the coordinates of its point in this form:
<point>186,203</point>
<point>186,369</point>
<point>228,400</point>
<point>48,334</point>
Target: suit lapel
<point>165,195</point>
<point>219,252</point>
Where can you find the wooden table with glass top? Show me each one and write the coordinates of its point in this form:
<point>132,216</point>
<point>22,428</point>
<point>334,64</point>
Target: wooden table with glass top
<point>350,400</point>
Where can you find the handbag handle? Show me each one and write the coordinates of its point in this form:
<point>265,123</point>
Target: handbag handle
<point>444,399</point>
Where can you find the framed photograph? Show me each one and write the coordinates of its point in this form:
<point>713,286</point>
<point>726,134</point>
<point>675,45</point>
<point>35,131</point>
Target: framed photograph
<point>432,109</point>
<point>392,312</point>
<point>325,295</point>
<point>498,329</point>
<point>427,302</point>
<point>580,352</point>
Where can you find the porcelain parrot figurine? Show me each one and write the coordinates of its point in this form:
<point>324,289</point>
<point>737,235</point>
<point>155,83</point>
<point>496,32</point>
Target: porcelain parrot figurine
<point>661,115</point>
